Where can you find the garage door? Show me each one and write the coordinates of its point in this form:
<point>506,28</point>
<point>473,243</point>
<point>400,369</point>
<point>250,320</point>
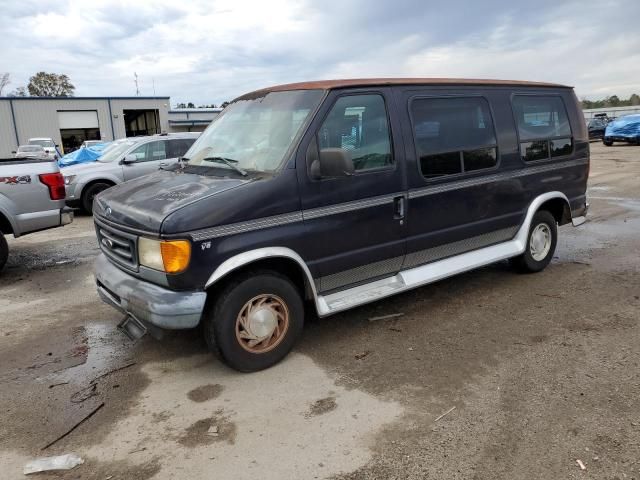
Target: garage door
<point>78,119</point>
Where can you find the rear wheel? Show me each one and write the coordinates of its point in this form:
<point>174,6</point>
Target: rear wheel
<point>90,192</point>
<point>541,243</point>
<point>607,142</point>
<point>4,250</point>
<point>254,321</point>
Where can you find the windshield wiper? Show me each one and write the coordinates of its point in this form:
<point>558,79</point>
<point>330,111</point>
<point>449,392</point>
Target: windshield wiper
<point>229,162</point>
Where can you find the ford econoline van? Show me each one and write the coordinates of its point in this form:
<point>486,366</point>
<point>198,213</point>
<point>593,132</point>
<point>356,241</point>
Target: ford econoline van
<point>339,193</point>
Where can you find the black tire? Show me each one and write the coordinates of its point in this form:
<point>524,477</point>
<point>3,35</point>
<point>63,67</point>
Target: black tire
<point>4,251</point>
<point>90,192</point>
<point>526,263</point>
<point>221,320</point>
<point>608,143</point>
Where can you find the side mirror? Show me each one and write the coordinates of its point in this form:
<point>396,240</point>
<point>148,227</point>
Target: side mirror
<point>57,146</point>
<point>13,151</point>
<point>129,159</point>
<point>333,162</point>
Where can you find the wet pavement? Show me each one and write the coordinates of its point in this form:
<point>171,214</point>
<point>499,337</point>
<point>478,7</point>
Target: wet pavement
<point>542,370</point>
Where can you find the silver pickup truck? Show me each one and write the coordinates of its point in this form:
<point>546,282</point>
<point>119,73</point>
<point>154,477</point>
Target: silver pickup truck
<point>32,198</point>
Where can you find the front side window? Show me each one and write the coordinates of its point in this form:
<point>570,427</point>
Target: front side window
<point>543,127</point>
<point>150,151</point>
<point>453,135</point>
<point>358,124</point>
<point>254,133</point>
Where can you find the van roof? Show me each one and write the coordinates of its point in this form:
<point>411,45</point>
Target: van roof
<point>364,82</point>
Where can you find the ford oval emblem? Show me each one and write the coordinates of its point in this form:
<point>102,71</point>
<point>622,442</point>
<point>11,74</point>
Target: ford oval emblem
<point>108,211</point>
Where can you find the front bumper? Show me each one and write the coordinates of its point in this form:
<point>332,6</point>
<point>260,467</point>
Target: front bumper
<point>149,303</point>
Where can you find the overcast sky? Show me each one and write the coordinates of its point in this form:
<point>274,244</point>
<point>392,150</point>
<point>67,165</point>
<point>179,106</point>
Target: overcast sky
<point>208,51</point>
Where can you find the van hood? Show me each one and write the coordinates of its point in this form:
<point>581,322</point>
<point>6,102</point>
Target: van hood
<point>144,203</point>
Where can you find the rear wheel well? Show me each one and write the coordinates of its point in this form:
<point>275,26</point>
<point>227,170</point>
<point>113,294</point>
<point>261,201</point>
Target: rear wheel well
<point>282,265</point>
<point>559,208</point>
<point>5,225</point>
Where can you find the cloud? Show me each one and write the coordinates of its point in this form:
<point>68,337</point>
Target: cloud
<point>210,51</point>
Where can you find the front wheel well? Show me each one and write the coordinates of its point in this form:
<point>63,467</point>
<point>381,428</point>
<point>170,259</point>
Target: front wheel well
<point>93,182</point>
<point>559,208</point>
<point>282,265</point>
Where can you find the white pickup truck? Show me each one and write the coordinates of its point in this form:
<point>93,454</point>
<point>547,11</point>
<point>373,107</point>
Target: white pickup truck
<point>32,198</point>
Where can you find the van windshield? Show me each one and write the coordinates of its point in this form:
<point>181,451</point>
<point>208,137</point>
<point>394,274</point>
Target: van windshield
<point>254,134</point>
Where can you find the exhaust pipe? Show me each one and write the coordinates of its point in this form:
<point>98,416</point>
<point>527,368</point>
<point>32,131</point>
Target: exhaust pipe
<point>133,328</point>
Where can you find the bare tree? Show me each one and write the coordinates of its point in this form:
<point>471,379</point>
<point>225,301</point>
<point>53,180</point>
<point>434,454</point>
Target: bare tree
<point>44,84</point>
<point>5,79</point>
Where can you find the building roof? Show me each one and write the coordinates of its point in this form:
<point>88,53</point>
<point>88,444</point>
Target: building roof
<point>85,98</point>
<point>364,82</point>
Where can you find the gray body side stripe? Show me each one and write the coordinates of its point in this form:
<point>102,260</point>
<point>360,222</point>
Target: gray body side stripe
<point>249,226</point>
<point>348,206</point>
<point>421,192</point>
<point>286,218</point>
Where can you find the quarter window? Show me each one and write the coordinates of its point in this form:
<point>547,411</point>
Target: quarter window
<point>543,127</point>
<point>359,125</point>
<point>453,135</point>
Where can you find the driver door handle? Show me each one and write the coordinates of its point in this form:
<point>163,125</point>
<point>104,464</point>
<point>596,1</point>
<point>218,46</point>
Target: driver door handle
<point>398,208</point>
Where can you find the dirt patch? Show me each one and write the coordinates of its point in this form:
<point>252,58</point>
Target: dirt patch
<point>160,417</point>
<point>207,431</point>
<point>94,470</point>
<point>205,393</point>
<point>322,406</point>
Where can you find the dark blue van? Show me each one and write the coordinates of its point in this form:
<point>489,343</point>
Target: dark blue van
<point>340,193</point>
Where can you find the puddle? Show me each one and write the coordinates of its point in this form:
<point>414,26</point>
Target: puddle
<point>106,349</point>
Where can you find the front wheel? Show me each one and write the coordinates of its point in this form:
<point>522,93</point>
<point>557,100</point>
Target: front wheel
<point>607,142</point>
<point>90,192</point>
<point>254,321</point>
<point>541,244</point>
<point>4,250</point>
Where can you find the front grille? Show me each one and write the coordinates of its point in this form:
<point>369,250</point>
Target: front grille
<point>119,246</point>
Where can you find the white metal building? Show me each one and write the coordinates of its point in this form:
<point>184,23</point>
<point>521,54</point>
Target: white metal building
<point>71,120</point>
<point>191,119</point>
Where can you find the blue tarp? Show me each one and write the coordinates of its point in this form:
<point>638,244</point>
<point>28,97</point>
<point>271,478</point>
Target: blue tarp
<point>82,155</point>
<point>625,127</point>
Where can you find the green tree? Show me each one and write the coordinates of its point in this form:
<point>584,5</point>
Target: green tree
<point>634,99</point>
<point>19,92</point>
<point>190,105</point>
<point>44,84</point>
<point>613,101</point>
<point>5,79</point>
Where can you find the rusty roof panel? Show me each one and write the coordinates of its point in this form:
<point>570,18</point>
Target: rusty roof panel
<point>364,82</point>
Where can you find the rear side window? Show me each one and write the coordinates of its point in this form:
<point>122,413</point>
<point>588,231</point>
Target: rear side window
<point>358,124</point>
<point>453,135</point>
<point>179,146</point>
<point>543,127</point>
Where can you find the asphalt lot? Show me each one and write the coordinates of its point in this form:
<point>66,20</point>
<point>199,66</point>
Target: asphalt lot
<point>542,370</point>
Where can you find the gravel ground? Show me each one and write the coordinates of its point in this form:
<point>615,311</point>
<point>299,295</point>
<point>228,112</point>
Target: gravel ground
<point>531,372</point>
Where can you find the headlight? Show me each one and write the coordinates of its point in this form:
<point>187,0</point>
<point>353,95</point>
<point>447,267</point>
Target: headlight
<point>171,256</point>
<point>69,178</point>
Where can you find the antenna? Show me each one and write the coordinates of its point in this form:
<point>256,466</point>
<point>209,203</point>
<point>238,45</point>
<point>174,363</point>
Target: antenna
<point>136,82</point>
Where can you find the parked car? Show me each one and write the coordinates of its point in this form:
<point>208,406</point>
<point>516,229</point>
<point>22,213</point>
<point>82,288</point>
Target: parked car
<point>30,151</point>
<point>596,128</point>
<point>342,193</point>
<point>92,143</point>
<point>31,199</point>
<point>48,144</point>
<point>127,160</point>
<point>623,129</point>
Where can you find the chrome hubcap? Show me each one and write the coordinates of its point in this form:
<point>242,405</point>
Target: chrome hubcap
<point>540,242</point>
<point>262,323</point>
